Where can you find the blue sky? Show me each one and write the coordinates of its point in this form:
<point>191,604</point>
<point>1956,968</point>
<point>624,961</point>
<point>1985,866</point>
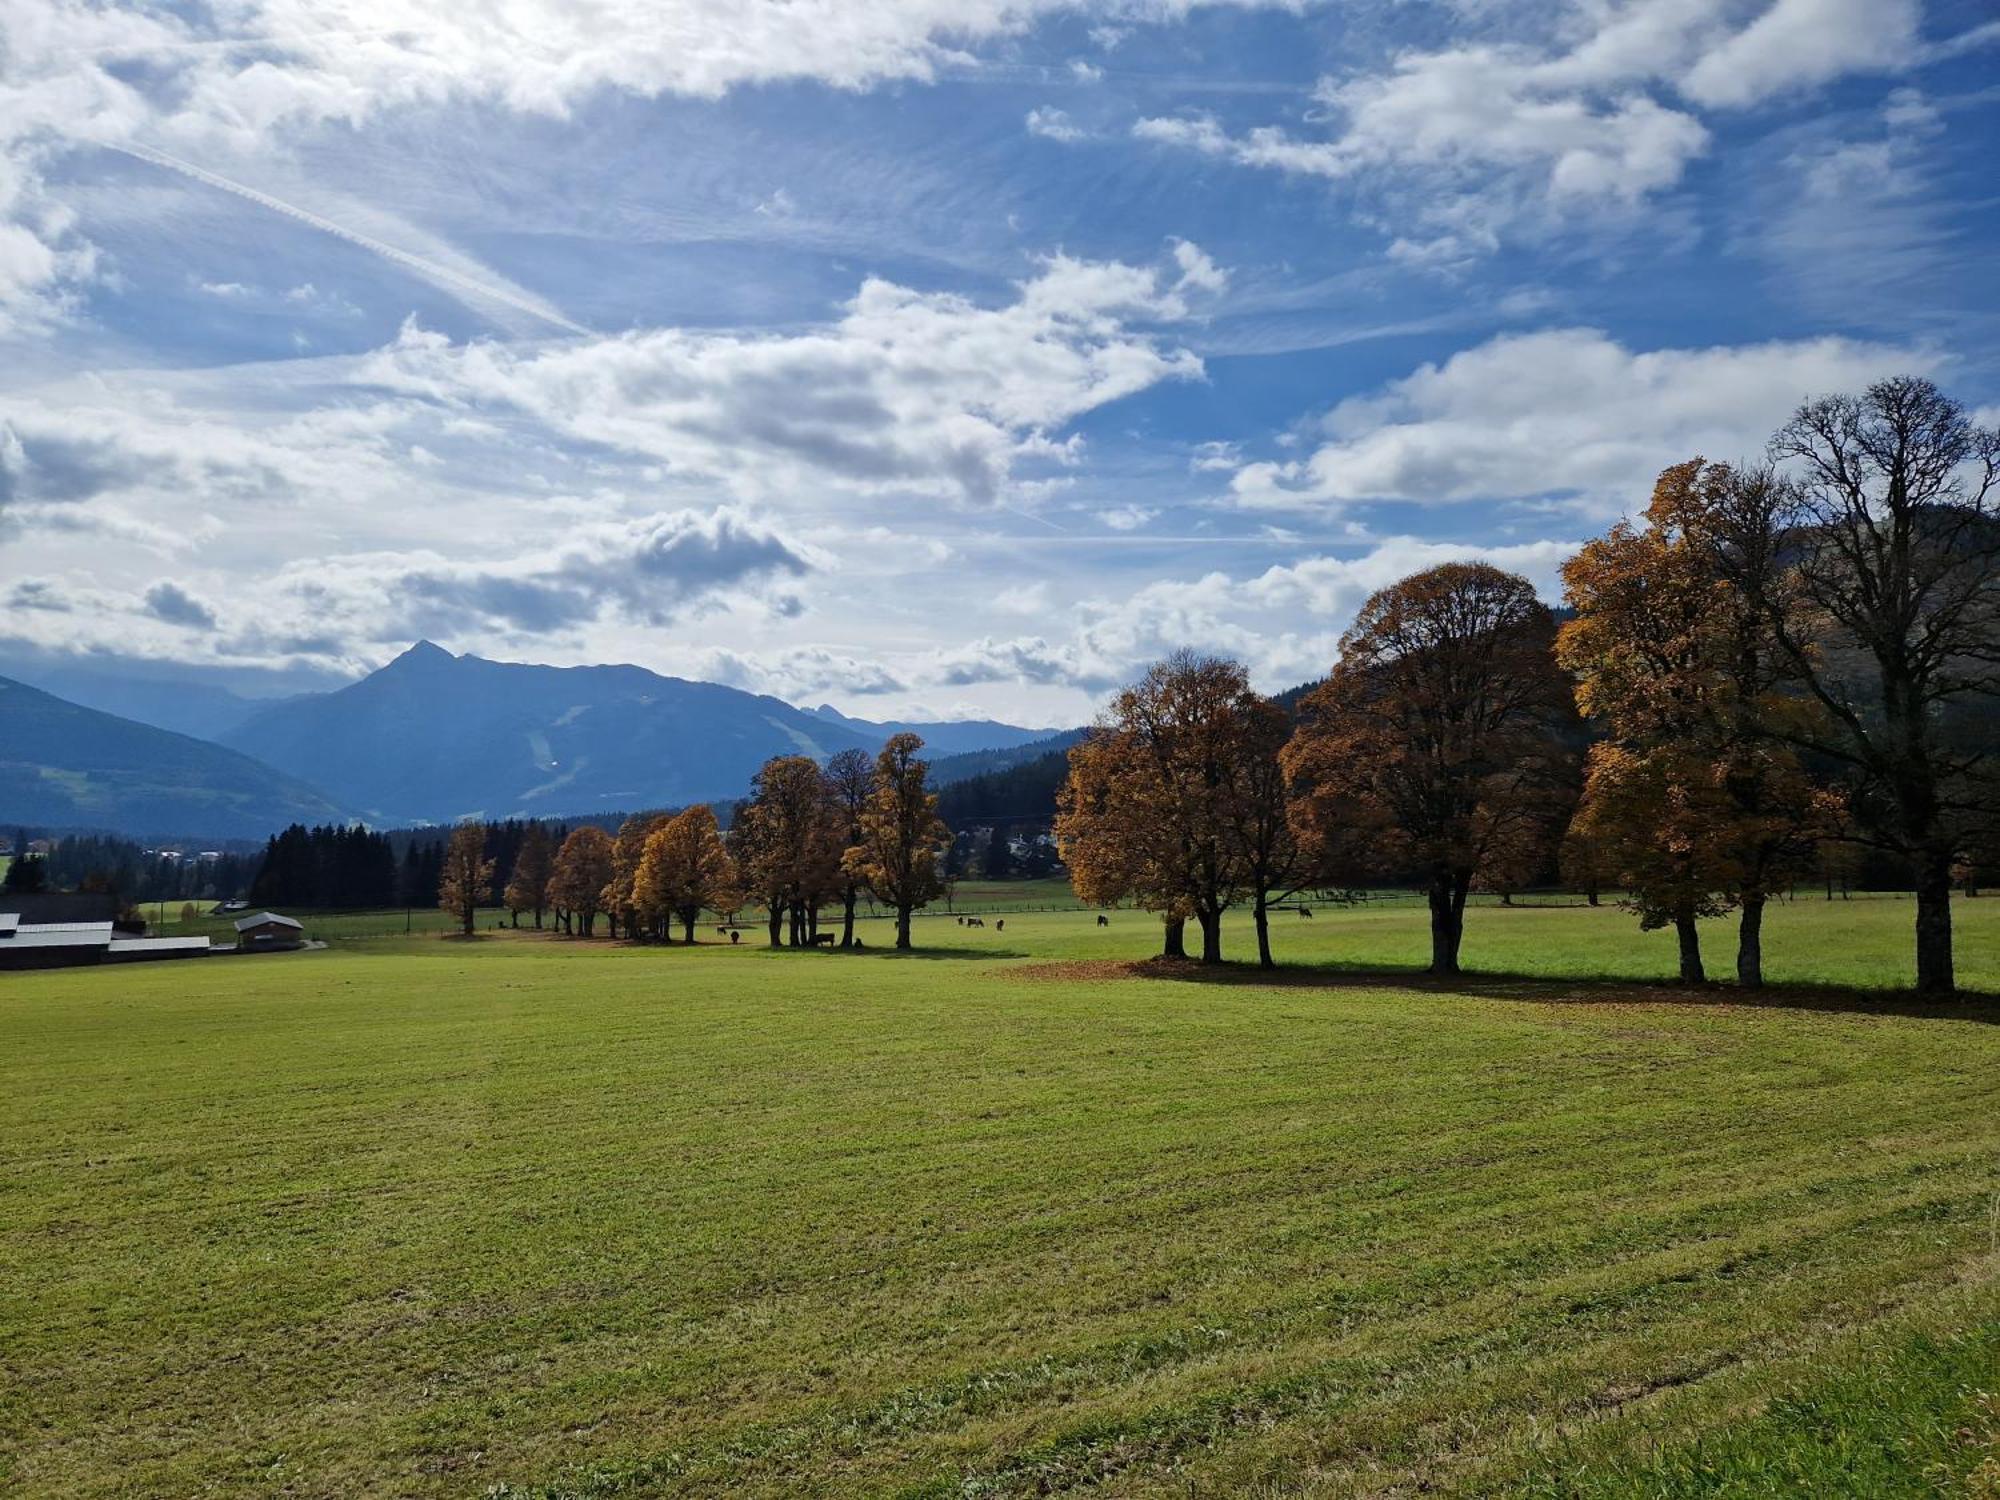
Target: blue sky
<point>929,356</point>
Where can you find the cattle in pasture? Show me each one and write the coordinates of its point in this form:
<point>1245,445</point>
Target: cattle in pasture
<point>1001,925</point>
<point>735,936</point>
<point>1102,920</point>
<point>822,940</point>
<point>1305,911</point>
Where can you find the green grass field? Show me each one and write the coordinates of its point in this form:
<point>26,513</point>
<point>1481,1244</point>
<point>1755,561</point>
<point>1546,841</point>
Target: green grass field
<point>527,1216</point>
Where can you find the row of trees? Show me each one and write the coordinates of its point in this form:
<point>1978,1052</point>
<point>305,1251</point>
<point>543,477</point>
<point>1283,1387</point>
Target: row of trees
<point>101,862</point>
<point>808,839</point>
<point>1774,659</point>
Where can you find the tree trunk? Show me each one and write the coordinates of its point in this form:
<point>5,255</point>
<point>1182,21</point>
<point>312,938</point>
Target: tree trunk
<point>1447,898</point>
<point>847,921</point>
<point>1934,964</point>
<point>902,926</point>
<point>1690,936</point>
<point>465,920</point>
<point>1173,943</point>
<point>1211,936</point>
<point>687,925</point>
<point>1592,896</point>
<point>777,923</point>
<point>1262,912</point>
<point>1750,944</point>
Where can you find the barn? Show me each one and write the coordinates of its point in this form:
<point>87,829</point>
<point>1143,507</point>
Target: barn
<point>62,945</point>
<point>267,930</point>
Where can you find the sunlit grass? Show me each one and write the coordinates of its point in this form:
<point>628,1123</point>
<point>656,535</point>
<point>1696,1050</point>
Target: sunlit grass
<point>428,1216</point>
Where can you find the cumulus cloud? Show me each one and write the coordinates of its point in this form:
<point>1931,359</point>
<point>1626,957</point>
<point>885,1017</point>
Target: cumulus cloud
<point>1799,44</point>
<point>1566,412</point>
<point>1284,623</point>
<point>1468,145</point>
<point>40,594</point>
<point>168,601</point>
<point>800,673</point>
<point>652,571</point>
<point>920,393</point>
<point>1053,124</point>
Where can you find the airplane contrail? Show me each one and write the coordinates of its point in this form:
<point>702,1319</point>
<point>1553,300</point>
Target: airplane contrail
<point>431,270</point>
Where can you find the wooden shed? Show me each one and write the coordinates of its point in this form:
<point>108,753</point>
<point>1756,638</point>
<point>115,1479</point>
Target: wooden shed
<point>266,929</point>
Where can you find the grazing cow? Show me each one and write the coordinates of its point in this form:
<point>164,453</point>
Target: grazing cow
<point>822,940</point>
<point>735,936</point>
<point>1305,911</point>
<point>722,932</point>
<point>859,944</point>
<point>1102,920</point>
<point>961,921</point>
<point>1001,925</point>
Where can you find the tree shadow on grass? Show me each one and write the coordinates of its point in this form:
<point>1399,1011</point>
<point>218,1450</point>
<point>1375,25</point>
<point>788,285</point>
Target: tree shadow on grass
<point>1969,1005</point>
<point>940,952</point>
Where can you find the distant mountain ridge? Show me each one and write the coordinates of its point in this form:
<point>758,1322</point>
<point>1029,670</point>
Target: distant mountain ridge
<point>944,737</point>
<point>64,765</point>
<point>433,737</point>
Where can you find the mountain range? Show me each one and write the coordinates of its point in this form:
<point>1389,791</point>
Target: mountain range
<point>66,766</point>
<point>429,738</point>
<point>436,737</point>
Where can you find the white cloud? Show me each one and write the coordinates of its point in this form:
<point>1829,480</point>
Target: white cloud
<point>1283,623</point>
<point>1029,599</point>
<point>1800,44</point>
<point>1127,517</point>
<point>1562,412</point>
<point>798,674</point>
<point>1469,145</point>
<point>1052,124</point>
<point>915,393</point>
<point>201,89</point>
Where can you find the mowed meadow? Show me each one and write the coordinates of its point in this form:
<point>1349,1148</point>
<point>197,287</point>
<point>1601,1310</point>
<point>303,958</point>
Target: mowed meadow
<point>529,1216</point>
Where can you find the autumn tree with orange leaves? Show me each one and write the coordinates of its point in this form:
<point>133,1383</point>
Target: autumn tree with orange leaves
<point>685,867</point>
<point>1177,801</point>
<point>900,853</point>
<point>1441,733</point>
<point>788,847</point>
<point>576,885</point>
<point>619,899</point>
<point>1694,792</point>
<point>467,874</point>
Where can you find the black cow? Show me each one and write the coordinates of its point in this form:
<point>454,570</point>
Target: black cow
<point>822,940</point>
<point>735,936</point>
<point>1102,920</point>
